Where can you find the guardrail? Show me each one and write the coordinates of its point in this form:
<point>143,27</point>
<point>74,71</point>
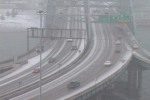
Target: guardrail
<point>34,85</point>
<point>142,58</point>
<point>102,82</point>
<point>47,79</point>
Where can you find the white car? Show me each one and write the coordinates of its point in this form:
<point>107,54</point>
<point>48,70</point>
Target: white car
<point>69,40</point>
<point>118,42</point>
<point>74,48</point>
<point>135,46</point>
<point>107,63</point>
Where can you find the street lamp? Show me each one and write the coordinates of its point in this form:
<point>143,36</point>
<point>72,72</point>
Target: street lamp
<point>41,13</point>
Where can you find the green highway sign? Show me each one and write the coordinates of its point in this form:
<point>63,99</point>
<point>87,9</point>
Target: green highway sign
<point>124,18</point>
<point>104,18</point>
<point>114,18</point>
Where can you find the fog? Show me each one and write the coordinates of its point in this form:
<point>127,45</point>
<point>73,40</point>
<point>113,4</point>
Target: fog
<point>22,49</point>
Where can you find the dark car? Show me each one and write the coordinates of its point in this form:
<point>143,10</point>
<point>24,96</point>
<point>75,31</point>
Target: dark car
<point>73,85</point>
<point>51,60</point>
<point>74,48</point>
<point>117,51</point>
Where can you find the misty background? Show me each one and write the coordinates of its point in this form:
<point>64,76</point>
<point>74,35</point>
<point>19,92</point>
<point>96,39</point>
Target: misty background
<point>13,25</point>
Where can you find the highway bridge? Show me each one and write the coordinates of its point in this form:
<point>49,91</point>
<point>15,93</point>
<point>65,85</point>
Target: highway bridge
<point>93,44</point>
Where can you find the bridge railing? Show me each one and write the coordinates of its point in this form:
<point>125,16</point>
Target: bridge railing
<point>101,82</point>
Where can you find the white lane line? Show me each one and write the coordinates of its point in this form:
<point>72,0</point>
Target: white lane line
<point>82,47</point>
<point>25,67</point>
<point>77,54</point>
<point>32,65</point>
<point>31,62</point>
<point>112,42</point>
<point>55,83</point>
<point>14,79</point>
<point>1,85</point>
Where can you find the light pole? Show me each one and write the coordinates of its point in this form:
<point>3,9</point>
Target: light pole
<point>41,13</point>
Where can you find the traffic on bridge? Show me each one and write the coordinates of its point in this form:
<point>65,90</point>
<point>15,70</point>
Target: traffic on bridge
<point>72,50</point>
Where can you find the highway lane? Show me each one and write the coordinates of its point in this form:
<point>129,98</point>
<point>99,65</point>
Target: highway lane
<point>58,25</point>
<point>140,53</point>
<point>88,72</point>
<point>86,76</point>
<point>33,78</point>
<point>104,39</point>
<point>25,80</point>
<point>82,26</point>
<point>123,30</point>
<point>112,56</point>
<point>109,46</point>
<point>83,76</point>
<point>89,76</point>
<point>54,50</point>
<point>58,45</point>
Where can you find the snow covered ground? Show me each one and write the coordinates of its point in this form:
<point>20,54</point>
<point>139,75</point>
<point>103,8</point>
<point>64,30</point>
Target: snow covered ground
<point>13,32</point>
<point>23,19</point>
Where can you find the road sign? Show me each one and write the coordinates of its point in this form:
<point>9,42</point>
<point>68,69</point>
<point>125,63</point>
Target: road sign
<point>103,18</point>
<point>124,18</point>
<point>114,18</point>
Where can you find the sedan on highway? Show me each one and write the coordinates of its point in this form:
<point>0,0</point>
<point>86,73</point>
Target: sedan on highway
<point>74,48</point>
<point>69,40</point>
<point>107,63</point>
<point>135,46</point>
<point>118,42</point>
<point>51,60</point>
<point>117,51</point>
<point>73,85</point>
<point>36,70</point>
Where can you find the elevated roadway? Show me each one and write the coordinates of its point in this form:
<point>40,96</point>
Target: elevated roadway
<point>86,67</point>
<point>90,70</point>
<point>61,56</point>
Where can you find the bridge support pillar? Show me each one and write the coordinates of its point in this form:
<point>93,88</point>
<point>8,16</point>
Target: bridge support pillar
<point>134,80</point>
<point>98,96</point>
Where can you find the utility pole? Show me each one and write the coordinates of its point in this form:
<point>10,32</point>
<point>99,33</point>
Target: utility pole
<point>41,13</point>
